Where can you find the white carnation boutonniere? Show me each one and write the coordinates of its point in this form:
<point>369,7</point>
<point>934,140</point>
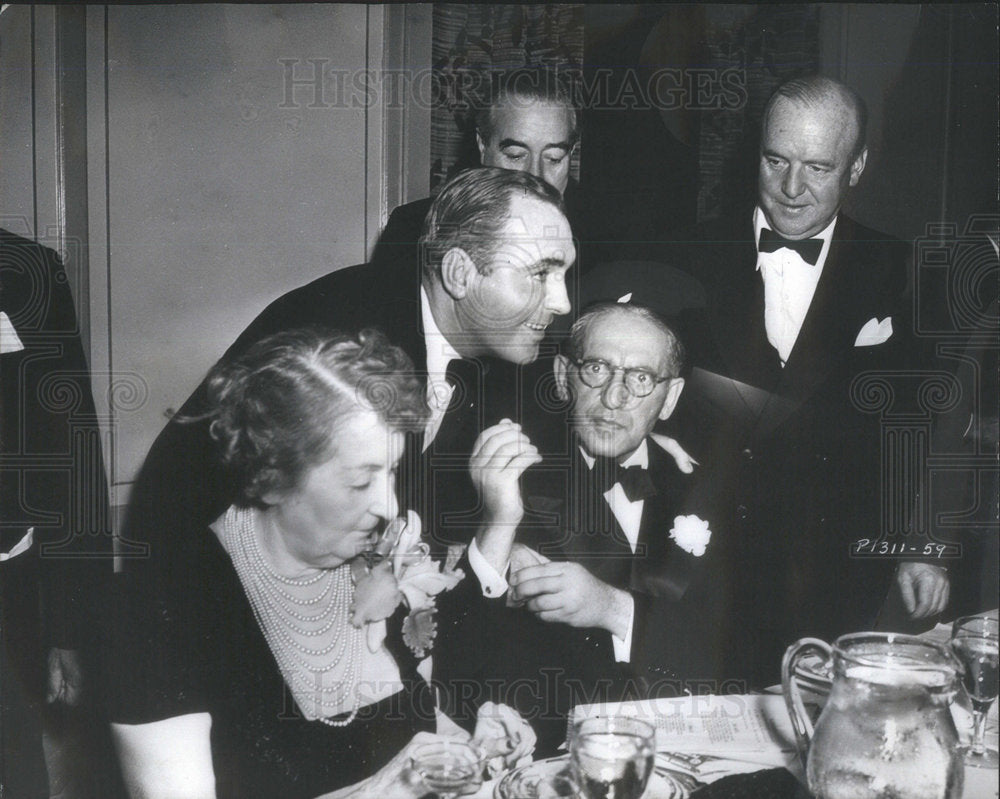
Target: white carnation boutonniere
<point>405,573</point>
<point>691,534</point>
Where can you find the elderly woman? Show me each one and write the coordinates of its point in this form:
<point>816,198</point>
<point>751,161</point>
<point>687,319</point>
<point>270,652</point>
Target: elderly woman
<point>276,655</point>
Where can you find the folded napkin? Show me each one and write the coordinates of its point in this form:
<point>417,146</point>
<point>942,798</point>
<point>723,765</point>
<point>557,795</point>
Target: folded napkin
<point>874,332</point>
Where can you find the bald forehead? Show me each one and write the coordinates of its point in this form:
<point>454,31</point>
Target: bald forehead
<point>627,332</point>
<point>834,109</point>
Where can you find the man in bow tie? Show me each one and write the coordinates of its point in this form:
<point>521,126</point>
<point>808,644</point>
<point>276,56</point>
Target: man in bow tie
<point>490,280</point>
<point>603,574</point>
<point>803,303</point>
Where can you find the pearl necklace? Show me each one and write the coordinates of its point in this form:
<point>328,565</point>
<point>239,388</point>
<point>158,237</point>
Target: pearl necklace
<point>278,602</point>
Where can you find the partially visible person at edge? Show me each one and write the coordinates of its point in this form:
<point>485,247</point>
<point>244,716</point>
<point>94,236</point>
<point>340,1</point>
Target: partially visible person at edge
<point>55,535</point>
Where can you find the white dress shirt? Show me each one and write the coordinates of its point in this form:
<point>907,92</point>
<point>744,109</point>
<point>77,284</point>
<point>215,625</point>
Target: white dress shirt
<point>789,285</point>
<point>439,354</point>
<point>629,516</point>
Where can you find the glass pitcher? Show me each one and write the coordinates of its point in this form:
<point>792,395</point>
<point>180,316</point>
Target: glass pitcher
<point>886,731</point>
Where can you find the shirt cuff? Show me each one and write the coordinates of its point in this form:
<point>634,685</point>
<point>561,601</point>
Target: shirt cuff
<point>623,646</point>
<point>493,583</point>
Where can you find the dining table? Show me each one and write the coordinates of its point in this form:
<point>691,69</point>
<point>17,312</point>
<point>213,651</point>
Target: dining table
<point>703,740</point>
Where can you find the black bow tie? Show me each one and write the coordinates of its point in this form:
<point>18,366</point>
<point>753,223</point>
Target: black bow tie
<point>635,480</point>
<point>808,249</point>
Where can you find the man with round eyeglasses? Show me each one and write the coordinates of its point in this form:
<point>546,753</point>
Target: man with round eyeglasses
<point>596,373</point>
<point>620,387</point>
<point>602,571</point>
<point>622,377</point>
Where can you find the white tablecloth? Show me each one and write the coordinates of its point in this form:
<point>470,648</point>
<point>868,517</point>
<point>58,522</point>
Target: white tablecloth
<point>753,732</point>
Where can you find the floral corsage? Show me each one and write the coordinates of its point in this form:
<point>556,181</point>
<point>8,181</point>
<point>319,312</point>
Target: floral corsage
<point>691,534</point>
<point>401,570</point>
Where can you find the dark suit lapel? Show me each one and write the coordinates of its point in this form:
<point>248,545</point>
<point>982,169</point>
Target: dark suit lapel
<point>585,531</point>
<point>741,338</point>
<point>749,366</point>
<point>599,542</point>
<point>821,341</point>
<point>744,340</point>
<point>660,567</point>
<point>588,532</point>
<point>826,335</point>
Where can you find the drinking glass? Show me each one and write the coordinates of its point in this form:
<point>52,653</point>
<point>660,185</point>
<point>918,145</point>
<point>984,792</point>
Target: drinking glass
<point>447,767</point>
<point>612,756</point>
<point>974,642</point>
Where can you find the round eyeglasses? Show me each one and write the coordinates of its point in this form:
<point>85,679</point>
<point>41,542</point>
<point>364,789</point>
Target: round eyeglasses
<point>596,374</point>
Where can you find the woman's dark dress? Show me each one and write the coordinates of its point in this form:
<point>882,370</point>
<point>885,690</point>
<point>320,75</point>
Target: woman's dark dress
<point>185,640</point>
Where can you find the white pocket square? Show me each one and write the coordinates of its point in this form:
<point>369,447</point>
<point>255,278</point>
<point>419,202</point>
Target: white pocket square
<point>9,341</point>
<point>874,332</point>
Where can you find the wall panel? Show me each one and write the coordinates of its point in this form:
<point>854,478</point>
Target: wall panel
<point>230,170</point>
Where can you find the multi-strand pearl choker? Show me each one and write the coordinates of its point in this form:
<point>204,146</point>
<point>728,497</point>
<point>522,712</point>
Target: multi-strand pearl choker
<point>306,622</point>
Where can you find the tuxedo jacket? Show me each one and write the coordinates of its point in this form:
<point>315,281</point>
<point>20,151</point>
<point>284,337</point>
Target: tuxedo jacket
<point>680,597</point>
<point>488,650</point>
<point>181,487</point>
<point>800,446</point>
<point>51,469</point>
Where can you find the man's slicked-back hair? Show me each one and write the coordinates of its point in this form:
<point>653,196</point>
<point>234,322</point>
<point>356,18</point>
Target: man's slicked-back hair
<point>675,351</point>
<point>471,210</point>
<point>812,90</point>
<point>520,87</point>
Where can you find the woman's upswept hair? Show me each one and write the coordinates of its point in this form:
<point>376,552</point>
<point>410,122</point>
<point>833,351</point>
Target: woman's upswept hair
<point>276,409</point>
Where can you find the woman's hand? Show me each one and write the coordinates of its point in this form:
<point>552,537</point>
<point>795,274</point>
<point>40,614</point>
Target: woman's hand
<point>504,737</point>
<point>395,780</point>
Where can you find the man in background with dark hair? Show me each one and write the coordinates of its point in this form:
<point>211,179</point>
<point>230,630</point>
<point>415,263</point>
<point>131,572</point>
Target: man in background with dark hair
<point>526,122</point>
<point>802,302</point>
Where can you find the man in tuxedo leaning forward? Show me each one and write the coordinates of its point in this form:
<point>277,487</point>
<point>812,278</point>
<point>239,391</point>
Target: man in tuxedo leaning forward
<point>803,303</point>
<point>495,251</point>
<point>608,578</point>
